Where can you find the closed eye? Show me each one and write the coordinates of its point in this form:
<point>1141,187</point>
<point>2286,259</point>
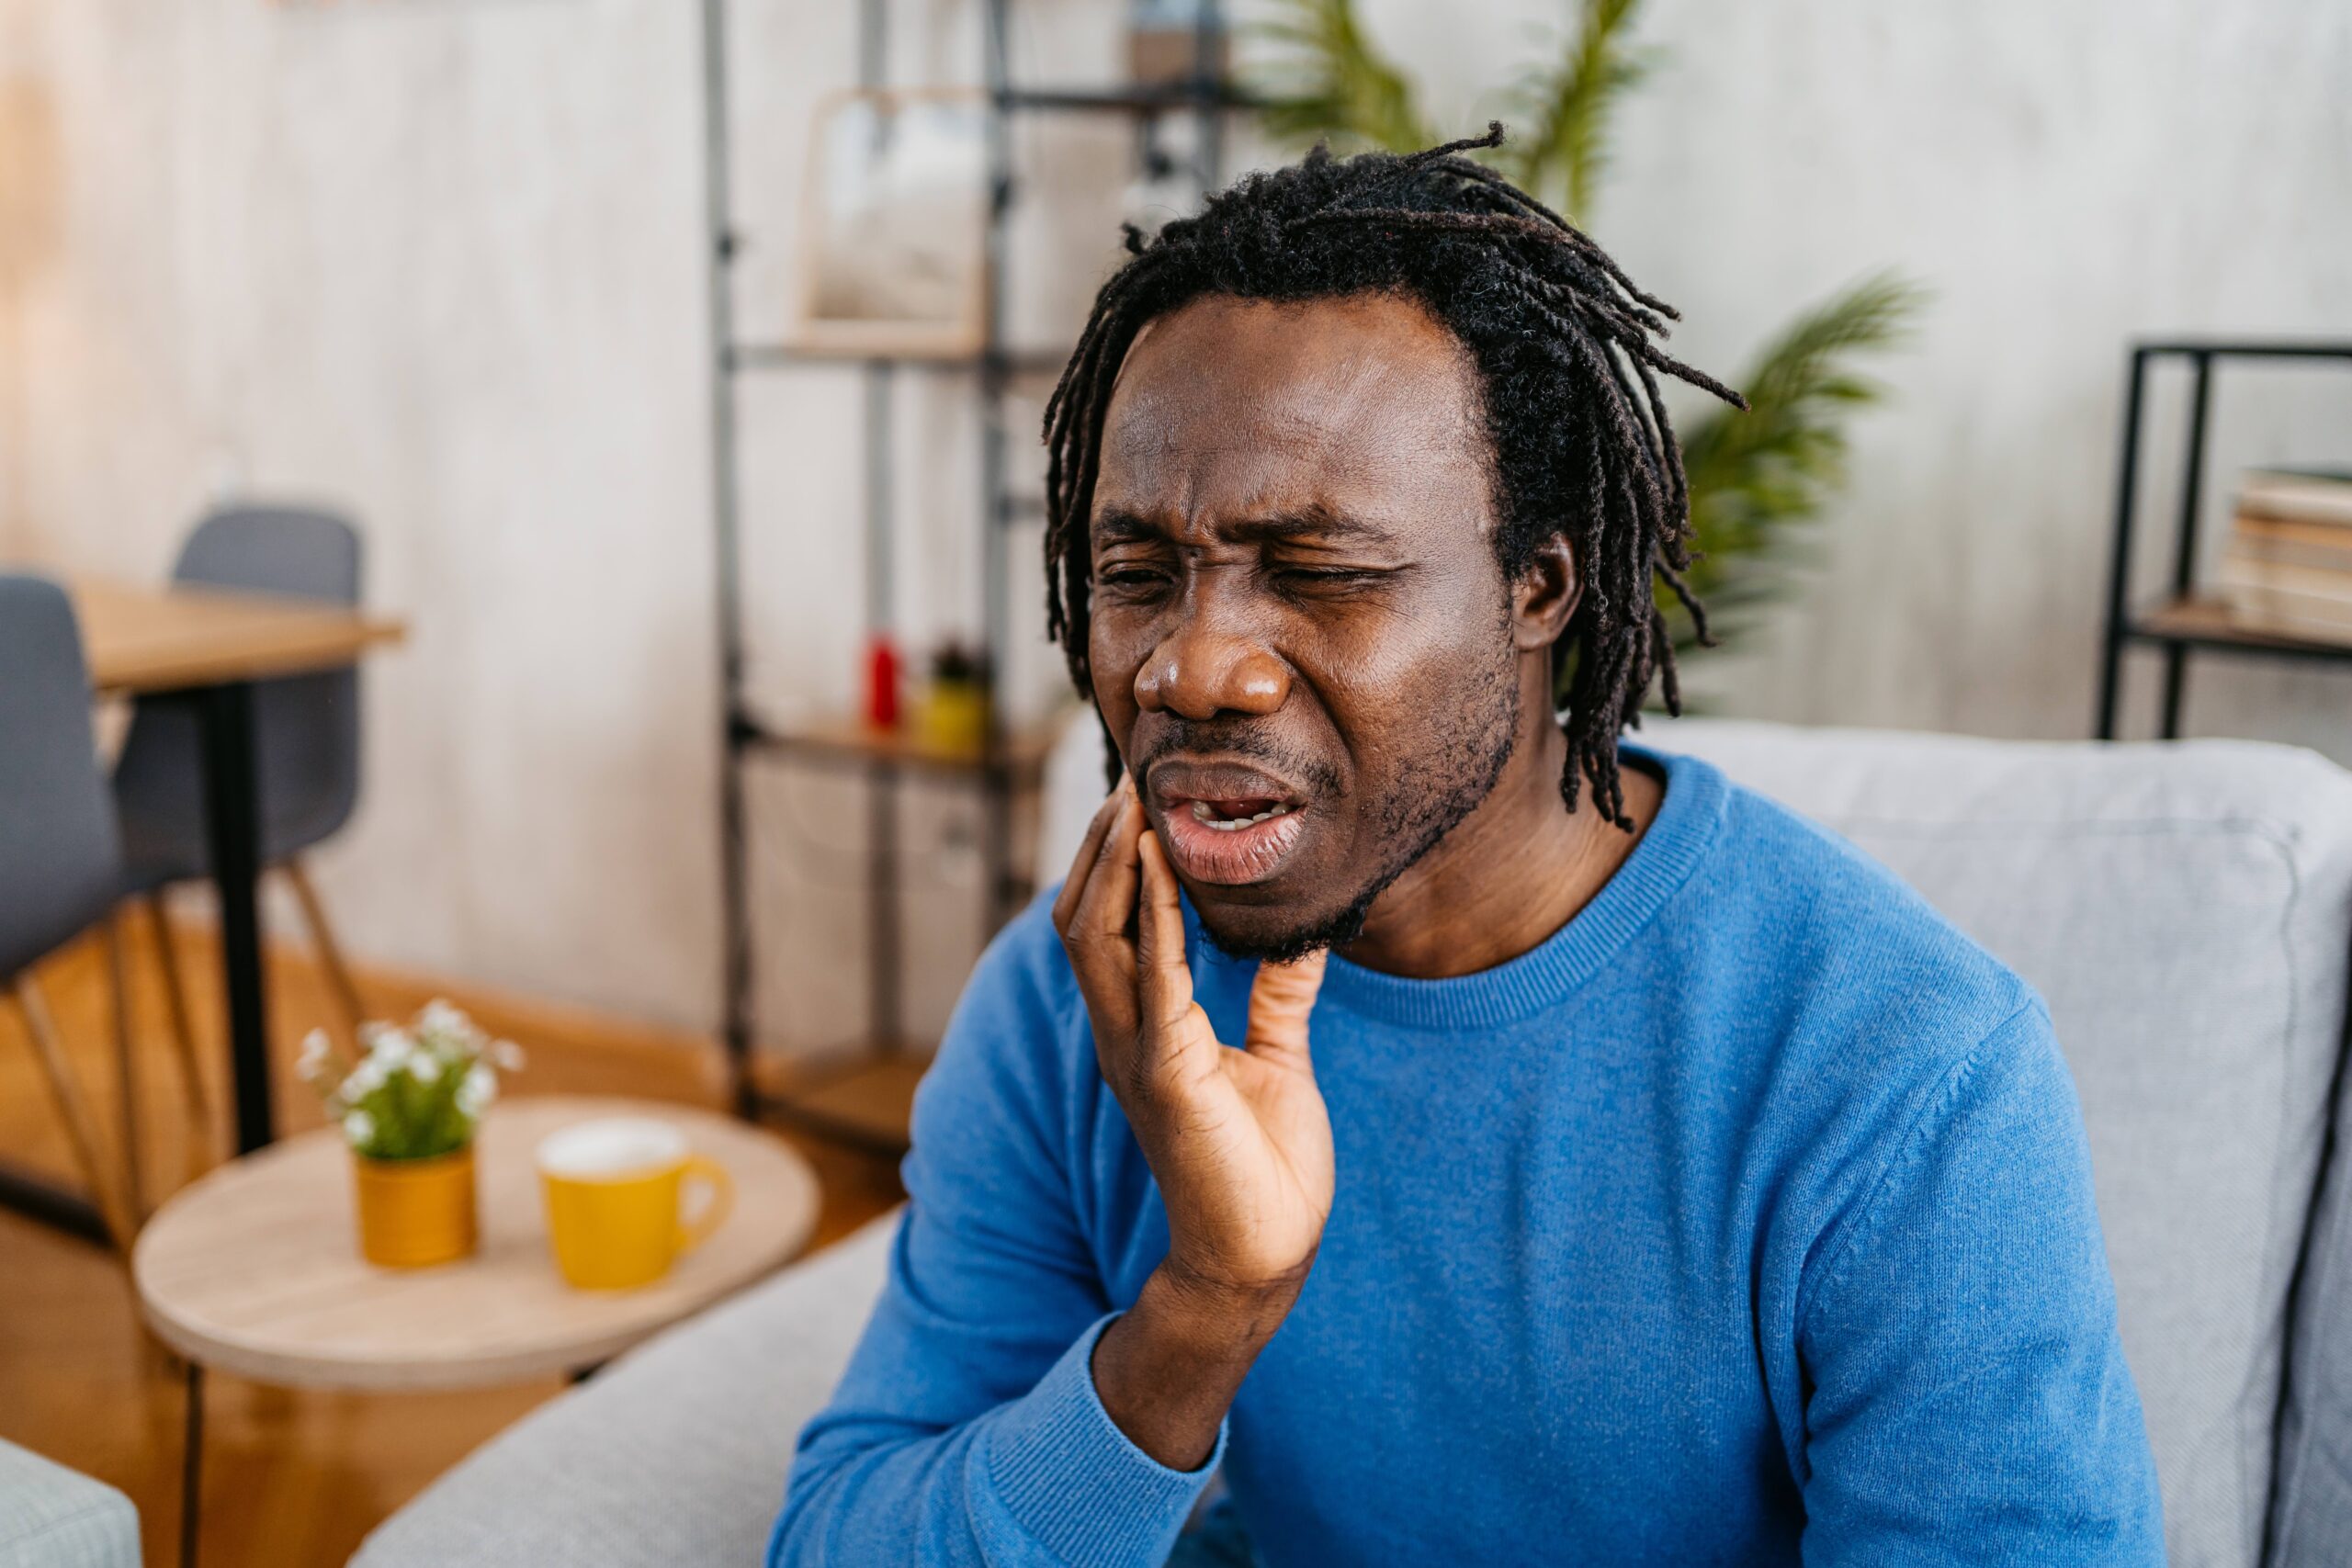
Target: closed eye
<point>1132,577</point>
<point>1331,578</point>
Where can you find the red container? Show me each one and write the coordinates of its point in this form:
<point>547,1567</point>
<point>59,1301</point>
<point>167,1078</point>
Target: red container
<point>882,675</point>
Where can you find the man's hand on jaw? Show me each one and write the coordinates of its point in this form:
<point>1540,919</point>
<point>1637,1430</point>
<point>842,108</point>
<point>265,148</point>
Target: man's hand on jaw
<point>1238,1140</point>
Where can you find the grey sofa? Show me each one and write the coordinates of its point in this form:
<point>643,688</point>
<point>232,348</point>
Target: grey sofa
<point>54,1517</point>
<point>2187,911</point>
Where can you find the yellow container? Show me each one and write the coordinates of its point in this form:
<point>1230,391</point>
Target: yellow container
<point>615,1191</point>
<point>953,717</point>
<point>415,1213</point>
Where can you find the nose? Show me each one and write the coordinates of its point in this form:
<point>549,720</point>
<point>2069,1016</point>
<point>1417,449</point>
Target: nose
<point>1201,669</point>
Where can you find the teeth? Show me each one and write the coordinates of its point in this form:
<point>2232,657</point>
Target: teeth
<point>1234,824</point>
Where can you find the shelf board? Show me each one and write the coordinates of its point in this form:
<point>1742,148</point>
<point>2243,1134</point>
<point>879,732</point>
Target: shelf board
<point>2204,622</point>
<point>850,743</point>
<point>2239,348</point>
<point>1137,98</point>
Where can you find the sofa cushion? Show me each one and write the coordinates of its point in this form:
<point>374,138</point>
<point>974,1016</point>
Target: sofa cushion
<point>675,1453</point>
<point>54,1517</point>
<point>2311,1519</point>
<point>2187,912</point>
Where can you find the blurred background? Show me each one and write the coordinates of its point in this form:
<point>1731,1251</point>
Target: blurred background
<point>442,262</point>
<point>682,382</point>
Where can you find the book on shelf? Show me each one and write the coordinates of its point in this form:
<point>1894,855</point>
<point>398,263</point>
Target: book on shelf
<point>2267,541</point>
<point>2291,597</point>
<point>2298,495</point>
<point>2288,562</point>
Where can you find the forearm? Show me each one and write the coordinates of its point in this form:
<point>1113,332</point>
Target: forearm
<point>1167,1368</point>
<point>1044,1478</point>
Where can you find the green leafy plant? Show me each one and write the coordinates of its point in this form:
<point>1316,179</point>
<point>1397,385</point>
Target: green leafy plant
<point>413,1093</point>
<point>1758,479</point>
<point>1566,106</point>
<point>1337,86</point>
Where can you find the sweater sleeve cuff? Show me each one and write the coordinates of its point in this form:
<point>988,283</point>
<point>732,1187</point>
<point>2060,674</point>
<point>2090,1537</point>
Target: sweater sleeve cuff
<point>1076,1485</point>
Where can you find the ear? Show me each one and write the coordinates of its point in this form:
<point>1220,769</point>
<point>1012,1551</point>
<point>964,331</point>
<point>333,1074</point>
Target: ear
<point>1544,596</point>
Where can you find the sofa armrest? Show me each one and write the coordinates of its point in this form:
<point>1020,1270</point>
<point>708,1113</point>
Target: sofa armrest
<point>54,1517</point>
<point>675,1453</point>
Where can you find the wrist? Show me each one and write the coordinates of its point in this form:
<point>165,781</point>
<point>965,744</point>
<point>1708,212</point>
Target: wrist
<point>1213,1318</point>
<point>1167,1368</point>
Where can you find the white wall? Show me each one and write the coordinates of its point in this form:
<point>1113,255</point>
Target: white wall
<point>440,260</point>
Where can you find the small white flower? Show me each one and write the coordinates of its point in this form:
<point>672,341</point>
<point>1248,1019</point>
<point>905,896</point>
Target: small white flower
<point>507,1056</point>
<point>367,1078</point>
<point>359,1127</point>
<point>424,1067</point>
<point>315,1051</point>
<point>392,1047</point>
<point>478,1091</point>
<point>446,1029</point>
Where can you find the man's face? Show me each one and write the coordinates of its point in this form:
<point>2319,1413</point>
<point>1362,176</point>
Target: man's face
<point>1300,637</point>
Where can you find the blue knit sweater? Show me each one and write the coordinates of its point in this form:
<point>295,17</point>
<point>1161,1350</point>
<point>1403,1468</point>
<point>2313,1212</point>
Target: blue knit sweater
<point>1746,1220</point>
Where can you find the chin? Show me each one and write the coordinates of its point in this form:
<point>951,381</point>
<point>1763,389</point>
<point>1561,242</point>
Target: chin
<point>1273,929</point>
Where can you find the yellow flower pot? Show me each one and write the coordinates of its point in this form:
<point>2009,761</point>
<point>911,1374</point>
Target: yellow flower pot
<point>953,717</point>
<point>415,1213</point>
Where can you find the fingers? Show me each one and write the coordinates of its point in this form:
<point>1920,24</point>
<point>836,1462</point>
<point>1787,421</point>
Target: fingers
<point>1107,904</point>
<point>1074,885</point>
<point>1094,933</point>
<point>1164,979</point>
<point>1279,1004</point>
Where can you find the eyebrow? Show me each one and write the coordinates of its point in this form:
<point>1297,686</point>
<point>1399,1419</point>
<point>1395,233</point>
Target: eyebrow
<point>1119,524</point>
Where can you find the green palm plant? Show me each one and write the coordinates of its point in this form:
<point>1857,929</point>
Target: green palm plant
<point>1336,85</point>
<point>1758,479</point>
<point>1566,106</point>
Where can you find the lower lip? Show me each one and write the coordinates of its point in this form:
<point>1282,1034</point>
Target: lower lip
<point>1229,857</point>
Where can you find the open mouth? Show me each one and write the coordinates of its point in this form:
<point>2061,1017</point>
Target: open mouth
<point>1232,816</point>
<point>1225,824</point>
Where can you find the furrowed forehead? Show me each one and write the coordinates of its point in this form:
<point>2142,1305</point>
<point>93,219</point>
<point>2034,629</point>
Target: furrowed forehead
<point>1349,410</point>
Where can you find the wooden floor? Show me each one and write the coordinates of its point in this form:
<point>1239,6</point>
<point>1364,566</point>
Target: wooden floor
<point>290,1478</point>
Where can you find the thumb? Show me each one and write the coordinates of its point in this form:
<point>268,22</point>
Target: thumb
<point>1280,1001</point>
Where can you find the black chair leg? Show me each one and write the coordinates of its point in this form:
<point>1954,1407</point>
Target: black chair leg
<point>192,1468</point>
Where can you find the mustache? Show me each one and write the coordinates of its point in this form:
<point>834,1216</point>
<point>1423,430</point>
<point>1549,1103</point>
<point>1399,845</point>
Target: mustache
<point>1245,740</point>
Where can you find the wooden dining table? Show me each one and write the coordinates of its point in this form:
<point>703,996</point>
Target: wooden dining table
<point>207,647</point>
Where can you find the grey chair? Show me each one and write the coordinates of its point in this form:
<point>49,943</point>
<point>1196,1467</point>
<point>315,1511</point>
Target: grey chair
<point>61,865</point>
<point>306,731</point>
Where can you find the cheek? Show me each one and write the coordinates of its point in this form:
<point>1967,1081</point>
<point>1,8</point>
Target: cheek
<point>1409,659</point>
<point>1112,657</point>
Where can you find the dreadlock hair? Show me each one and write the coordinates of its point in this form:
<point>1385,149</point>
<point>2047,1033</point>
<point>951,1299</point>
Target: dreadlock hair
<point>1565,347</point>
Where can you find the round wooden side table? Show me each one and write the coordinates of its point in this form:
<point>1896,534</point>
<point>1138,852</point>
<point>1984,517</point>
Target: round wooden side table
<point>255,1270</point>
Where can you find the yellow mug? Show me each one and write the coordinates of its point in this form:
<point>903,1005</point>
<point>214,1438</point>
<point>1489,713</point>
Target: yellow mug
<point>614,1188</point>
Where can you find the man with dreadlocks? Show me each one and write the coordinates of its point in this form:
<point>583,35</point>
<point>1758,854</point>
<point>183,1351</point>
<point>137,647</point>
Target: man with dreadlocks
<point>1610,1166</point>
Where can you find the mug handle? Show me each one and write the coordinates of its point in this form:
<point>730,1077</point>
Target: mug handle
<point>712,1175</point>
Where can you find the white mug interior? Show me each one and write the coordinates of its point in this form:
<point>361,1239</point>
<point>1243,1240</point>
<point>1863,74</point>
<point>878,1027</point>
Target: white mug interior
<point>610,1148</point>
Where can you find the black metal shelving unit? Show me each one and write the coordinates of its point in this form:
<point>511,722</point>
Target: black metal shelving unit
<point>2185,621</point>
<point>860,1099</point>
